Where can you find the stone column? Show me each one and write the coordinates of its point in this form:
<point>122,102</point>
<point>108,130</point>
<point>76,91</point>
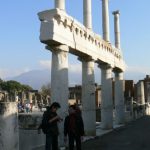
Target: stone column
<point>105,21</point>
<point>30,97</point>
<point>141,96</point>
<point>60,4</point>
<point>59,81</point>
<point>117,28</point>
<point>106,102</point>
<point>22,97</point>
<point>140,93</point>
<point>9,135</point>
<point>87,14</point>
<point>88,96</point>
<point>119,98</point>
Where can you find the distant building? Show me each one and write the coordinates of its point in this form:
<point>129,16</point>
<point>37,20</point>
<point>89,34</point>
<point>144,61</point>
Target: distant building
<point>75,95</point>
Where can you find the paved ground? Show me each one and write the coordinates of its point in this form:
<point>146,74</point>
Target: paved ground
<point>133,136</point>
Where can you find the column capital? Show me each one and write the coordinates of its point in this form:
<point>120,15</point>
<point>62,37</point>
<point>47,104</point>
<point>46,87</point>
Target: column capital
<point>85,58</point>
<point>58,48</point>
<point>104,66</point>
<point>117,12</point>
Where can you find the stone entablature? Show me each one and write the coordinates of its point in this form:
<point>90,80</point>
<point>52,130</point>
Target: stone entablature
<point>59,28</point>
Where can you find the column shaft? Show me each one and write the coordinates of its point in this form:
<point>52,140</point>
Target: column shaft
<point>117,28</point>
<point>119,98</point>
<point>30,97</point>
<point>140,93</point>
<point>60,4</point>
<point>105,21</point>
<point>88,97</point>
<point>106,103</point>
<point>59,81</point>
<point>87,14</point>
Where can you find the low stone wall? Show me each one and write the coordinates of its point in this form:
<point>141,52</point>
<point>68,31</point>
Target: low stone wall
<point>29,139</point>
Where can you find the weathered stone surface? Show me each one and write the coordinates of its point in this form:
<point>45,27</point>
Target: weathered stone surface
<point>8,126</point>
<point>29,121</point>
<point>29,139</point>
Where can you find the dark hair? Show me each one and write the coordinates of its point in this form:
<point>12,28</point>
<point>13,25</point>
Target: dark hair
<point>55,105</point>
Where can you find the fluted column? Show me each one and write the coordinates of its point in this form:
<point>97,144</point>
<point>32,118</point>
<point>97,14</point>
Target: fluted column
<point>87,14</point>
<point>60,4</point>
<point>117,28</point>
<point>88,96</point>
<point>106,102</point>
<point>119,98</point>
<point>105,21</point>
<point>59,81</point>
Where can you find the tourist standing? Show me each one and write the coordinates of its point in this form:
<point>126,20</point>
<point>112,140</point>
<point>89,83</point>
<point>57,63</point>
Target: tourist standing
<point>51,120</point>
<point>74,127</point>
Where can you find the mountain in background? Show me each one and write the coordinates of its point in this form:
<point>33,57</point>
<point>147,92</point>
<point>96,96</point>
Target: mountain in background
<point>37,78</point>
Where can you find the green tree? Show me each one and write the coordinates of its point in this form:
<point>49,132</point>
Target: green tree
<point>26,87</point>
<point>13,86</point>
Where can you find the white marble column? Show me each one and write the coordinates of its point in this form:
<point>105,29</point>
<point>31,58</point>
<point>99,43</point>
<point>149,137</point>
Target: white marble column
<point>88,97</point>
<point>119,98</point>
<point>106,102</point>
<point>60,4</point>
<point>105,21</point>
<point>59,81</point>
<point>87,14</point>
<point>9,135</point>
<point>117,28</point>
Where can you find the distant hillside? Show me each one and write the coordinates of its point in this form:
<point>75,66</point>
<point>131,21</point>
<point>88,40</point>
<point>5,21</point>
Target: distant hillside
<point>37,78</point>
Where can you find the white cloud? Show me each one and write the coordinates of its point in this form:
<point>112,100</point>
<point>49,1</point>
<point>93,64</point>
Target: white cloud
<point>136,73</point>
<point>75,68</point>
<point>46,64</point>
<point>138,69</point>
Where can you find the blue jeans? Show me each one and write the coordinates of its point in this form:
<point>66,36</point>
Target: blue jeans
<point>51,142</point>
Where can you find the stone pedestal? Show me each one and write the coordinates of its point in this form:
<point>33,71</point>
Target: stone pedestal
<point>119,98</point>
<point>106,103</point>
<point>9,139</point>
<point>29,139</point>
<point>88,97</point>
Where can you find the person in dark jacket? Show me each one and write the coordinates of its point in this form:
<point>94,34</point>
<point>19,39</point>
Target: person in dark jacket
<point>74,127</point>
<point>52,129</point>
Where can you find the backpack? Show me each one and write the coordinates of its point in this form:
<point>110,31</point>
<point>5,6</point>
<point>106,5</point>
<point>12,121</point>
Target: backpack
<point>44,124</point>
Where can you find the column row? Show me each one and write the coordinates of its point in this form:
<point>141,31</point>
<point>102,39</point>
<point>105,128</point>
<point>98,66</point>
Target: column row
<point>87,18</point>
<point>59,89</point>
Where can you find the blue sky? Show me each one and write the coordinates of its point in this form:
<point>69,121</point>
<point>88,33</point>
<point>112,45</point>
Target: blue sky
<point>21,50</point>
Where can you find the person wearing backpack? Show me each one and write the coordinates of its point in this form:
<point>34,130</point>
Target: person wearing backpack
<point>49,126</point>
